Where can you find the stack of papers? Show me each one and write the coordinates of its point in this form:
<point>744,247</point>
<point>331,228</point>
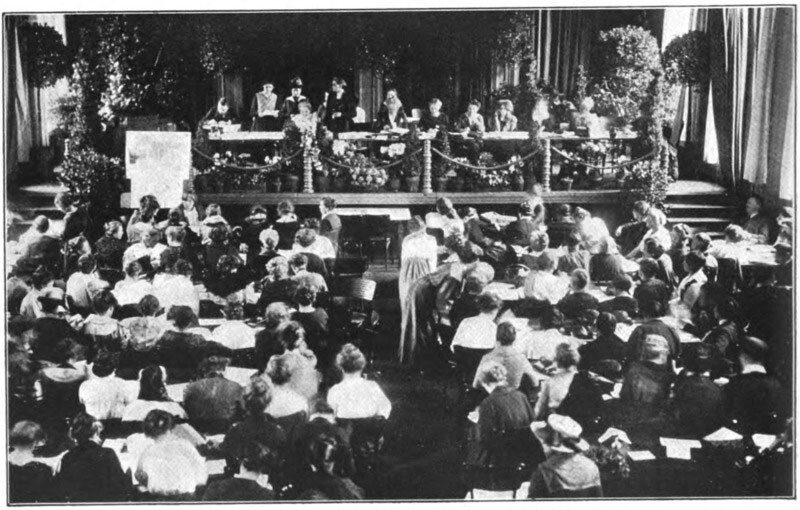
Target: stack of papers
<point>723,434</point>
<point>215,467</point>
<point>763,441</point>
<point>680,448</point>
<point>616,434</point>
<point>641,455</point>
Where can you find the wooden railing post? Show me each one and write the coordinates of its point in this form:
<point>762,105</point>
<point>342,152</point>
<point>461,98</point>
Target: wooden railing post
<point>664,158</point>
<point>547,168</point>
<point>427,188</point>
<point>308,168</point>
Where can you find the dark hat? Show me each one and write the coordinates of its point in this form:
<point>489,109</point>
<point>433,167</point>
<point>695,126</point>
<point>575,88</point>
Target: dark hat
<point>756,348</point>
<point>296,83</point>
<point>783,248</point>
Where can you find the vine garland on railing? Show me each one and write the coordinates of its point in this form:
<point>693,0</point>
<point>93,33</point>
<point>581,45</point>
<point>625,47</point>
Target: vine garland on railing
<point>484,168</point>
<point>249,168</point>
<point>611,167</point>
<point>381,167</point>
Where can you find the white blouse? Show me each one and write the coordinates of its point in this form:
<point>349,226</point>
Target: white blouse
<point>355,398</point>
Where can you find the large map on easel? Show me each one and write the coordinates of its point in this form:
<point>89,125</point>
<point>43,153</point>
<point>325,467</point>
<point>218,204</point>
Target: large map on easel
<point>157,163</point>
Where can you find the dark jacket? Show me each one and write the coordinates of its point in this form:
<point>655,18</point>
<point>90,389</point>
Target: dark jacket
<point>604,267</point>
<point>31,483</point>
<point>519,232</point>
<point>427,121</point>
<point>382,121</point>
<point>754,404</point>
<point>575,303</point>
<point>653,290</point>
<point>646,383</point>
<point>262,429</point>
<point>579,259</point>
<point>345,106</point>
<point>213,403</point>
<point>697,405</point>
<point>109,251</point>
<point>653,327</point>
<point>76,223</point>
<point>602,348</point>
<point>91,473</point>
<point>181,353</point>
<point>725,339</point>
<point>237,489</point>
<point>47,333</point>
<point>281,290</point>
<point>625,304</point>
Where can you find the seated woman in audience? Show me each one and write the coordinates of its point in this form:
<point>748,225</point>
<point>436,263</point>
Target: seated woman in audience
<point>622,300</point>
<point>252,482</point>
<point>538,244</point>
<point>757,224</point>
<point>286,400</point>
<point>143,331</point>
<point>286,225</point>
<point>504,412</point>
<point>101,331</point>
<point>681,236</point>
<point>105,396</point>
<point>476,336</point>
<point>472,128</point>
<point>697,402</point>
<point>257,261</point>
<point>391,114</point>
<point>89,472</point>
<point>152,395</point>
<point>213,219</point>
<point>213,402</point>
<point>656,252</point>
<point>689,288</point>
<point>280,286</point>
<point>180,246</point>
<point>29,481</point>
<point>503,118</point>
<point>134,287</point>
<point>78,294</point>
<point>592,230</point>
<point>445,218</point>
<point>175,287</point>
<point>569,392</point>
<point>31,307</point>
<point>466,305</point>
<point>229,281</point>
<point>268,342</point>
<point>576,256</point>
<point>607,263</point>
<point>647,380</point>
<point>356,397</point>
<point>74,249</point>
<point>542,285</point>
<point>191,211</point>
<point>607,345</point>
<point>170,469</point>
<point>566,472</point>
<point>578,300</point>
<point>216,249</point>
<point>234,333</point>
<point>110,248</point>
<point>650,288</point>
<point>726,337</point>
<point>256,427</point>
<point>313,320</point>
<point>702,313</point>
<point>510,357</point>
<point>701,243</point>
<point>307,241</point>
<point>144,216</point>
<point>186,344</point>
<point>656,222</point>
<point>322,457</point>
<point>255,223</point>
<point>529,220</point>
<point>52,327</point>
<point>305,275</point>
<point>734,237</point>
<point>652,313</point>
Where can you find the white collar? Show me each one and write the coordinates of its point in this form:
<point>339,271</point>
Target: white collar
<point>754,369</point>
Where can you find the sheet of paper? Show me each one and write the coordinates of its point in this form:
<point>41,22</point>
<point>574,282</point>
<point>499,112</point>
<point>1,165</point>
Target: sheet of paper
<point>763,441</point>
<point>175,391</point>
<point>679,448</point>
<point>641,455</point>
<point>623,331</point>
<point>473,416</point>
<point>215,467</point>
<point>723,434</point>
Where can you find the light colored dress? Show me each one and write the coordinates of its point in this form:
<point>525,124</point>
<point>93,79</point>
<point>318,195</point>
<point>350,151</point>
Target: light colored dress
<point>417,259</point>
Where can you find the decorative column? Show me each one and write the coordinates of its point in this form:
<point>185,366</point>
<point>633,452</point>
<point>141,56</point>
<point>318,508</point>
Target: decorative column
<point>427,189</point>
<point>547,168</point>
<point>308,167</point>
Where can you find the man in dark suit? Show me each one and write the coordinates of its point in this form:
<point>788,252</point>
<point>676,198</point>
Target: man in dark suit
<point>753,400</point>
<point>519,232</point>
<point>757,224</point>
<point>330,225</point>
<point>622,300</point>
<point>578,300</point>
<point>607,346</point>
<point>651,288</point>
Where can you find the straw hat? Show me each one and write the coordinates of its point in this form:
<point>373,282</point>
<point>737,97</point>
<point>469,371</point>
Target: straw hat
<point>560,434</point>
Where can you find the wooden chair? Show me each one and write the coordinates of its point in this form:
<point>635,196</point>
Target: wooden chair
<point>364,320</point>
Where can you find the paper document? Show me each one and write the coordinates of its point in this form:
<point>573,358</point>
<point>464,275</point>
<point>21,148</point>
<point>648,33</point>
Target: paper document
<point>641,455</point>
<point>623,331</point>
<point>723,434</point>
<point>763,441</point>
<point>473,416</point>
<point>680,448</point>
<point>215,467</point>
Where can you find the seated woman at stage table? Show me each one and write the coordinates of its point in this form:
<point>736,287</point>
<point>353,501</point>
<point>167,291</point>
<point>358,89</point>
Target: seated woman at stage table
<point>504,119</point>
<point>433,119</point>
<point>219,113</point>
<point>391,114</point>
<point>305,120</point>
<point>472,128</point>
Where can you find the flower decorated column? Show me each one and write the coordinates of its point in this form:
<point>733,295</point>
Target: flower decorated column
<point>308,166</point>
<point>427,188</point>
<point>547,169</point>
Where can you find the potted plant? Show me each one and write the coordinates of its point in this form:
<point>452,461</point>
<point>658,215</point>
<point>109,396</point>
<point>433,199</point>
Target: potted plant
<point>567,180</point>
<point>411,174</point>
<point>394,180</point>
<point>595,178</point>
<point>291,182</point>
<point>274,183</point>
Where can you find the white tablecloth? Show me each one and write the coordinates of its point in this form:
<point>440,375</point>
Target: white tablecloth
<point>394,213</point>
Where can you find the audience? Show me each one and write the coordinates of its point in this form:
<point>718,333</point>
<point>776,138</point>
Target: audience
<point>622,300</point>
<point>578,300</point>
<point>356,397</point>
<point>576,257</point>
<point>607,345</point>
<point>213,402</point>
<point>606,264</point>
<point>29,480</point>
<point>650,288</point>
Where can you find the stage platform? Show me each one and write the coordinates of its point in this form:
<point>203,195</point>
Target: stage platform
<point>389,199</point>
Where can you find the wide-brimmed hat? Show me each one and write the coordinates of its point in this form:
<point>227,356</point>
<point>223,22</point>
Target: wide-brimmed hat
<point>507,103</point>
<point>296,83</point>
<point>560,434</point>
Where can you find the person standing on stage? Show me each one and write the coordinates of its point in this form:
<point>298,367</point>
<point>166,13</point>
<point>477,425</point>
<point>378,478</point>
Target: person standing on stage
<point>264,109</point>
<point>291,105</point>
<point>340,107</point>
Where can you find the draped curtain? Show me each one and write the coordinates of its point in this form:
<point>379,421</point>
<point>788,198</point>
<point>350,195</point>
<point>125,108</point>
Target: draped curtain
<point>752,83</point>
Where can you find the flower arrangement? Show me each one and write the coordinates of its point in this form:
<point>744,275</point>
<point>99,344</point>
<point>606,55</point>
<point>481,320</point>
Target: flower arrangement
<point>94,178</point>
<point>495,179</point>
<point>686,59</point>
<point>366,176</point>
<point>649,181</point>
<point>394,150</point>
<point>610,459</point>
<point>48,57</point>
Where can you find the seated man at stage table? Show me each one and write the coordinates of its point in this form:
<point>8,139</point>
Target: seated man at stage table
<point>756,224</point>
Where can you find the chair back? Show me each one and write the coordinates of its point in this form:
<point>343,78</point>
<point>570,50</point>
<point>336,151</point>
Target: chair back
<point>362,289</point>
<point>377,227</point>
